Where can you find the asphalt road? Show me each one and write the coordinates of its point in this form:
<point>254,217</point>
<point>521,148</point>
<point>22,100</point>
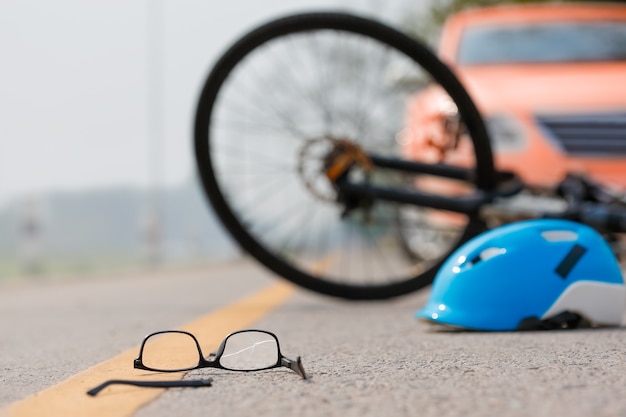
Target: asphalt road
<point>365,359</point>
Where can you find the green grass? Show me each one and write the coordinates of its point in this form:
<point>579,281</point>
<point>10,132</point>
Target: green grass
<point>12,270</point>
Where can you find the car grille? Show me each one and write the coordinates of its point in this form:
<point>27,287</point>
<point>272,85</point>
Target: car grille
<point>587,134</point>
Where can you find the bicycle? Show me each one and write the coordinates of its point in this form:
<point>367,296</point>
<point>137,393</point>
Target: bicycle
<point>298,147</point>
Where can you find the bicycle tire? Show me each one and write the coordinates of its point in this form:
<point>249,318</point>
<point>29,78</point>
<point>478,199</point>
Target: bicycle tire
<point>207,146</point>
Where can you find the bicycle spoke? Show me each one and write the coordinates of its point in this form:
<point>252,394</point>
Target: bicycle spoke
<point>280,103</point>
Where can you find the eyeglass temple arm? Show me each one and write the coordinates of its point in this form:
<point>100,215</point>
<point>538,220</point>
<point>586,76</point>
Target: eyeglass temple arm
<point>295,366</point>
<point>152,384</point>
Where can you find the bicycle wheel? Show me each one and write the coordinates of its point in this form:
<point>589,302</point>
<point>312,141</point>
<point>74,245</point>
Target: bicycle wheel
<point>270,112</point>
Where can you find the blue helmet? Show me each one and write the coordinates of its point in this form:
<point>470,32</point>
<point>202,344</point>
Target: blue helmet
<point>529,275</point>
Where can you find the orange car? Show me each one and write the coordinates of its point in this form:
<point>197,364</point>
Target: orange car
<point>550,81</point>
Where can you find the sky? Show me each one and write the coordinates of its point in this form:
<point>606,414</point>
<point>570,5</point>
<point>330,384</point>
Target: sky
<point>99,94</point>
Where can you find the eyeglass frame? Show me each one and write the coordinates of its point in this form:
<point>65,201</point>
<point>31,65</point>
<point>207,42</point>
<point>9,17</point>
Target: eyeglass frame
<point>214,361</point>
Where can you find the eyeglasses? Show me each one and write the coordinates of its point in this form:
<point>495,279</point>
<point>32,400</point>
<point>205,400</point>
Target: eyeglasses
<point>244,350</point>
<point>178,351</point>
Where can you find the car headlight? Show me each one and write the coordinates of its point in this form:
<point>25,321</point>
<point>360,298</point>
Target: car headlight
<point>506,133</point>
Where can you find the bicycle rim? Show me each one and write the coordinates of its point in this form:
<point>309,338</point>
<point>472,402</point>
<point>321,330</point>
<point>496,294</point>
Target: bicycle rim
<point>262,127</point>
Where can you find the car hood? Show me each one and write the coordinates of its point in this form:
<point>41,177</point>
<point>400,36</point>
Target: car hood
<point>546,88</point>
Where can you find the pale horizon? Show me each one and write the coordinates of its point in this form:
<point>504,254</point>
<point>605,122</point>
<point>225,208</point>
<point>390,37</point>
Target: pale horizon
<point>103,94</point>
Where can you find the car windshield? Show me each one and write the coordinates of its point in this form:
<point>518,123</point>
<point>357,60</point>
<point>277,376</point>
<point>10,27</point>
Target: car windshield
<point>544,43</point>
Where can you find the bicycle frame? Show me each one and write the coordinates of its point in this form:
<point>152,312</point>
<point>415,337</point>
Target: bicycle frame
<point>587,202</point>
<point>509,185</point>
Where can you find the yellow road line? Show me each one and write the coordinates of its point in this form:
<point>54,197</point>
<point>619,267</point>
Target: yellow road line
<point>69,397</point>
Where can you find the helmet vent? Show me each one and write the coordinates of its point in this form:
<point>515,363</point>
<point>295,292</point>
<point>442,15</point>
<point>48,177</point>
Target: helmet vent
<point>491,252</point>
<point>486,254</point>
<point>570,260</point>
<point>559,235</point>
